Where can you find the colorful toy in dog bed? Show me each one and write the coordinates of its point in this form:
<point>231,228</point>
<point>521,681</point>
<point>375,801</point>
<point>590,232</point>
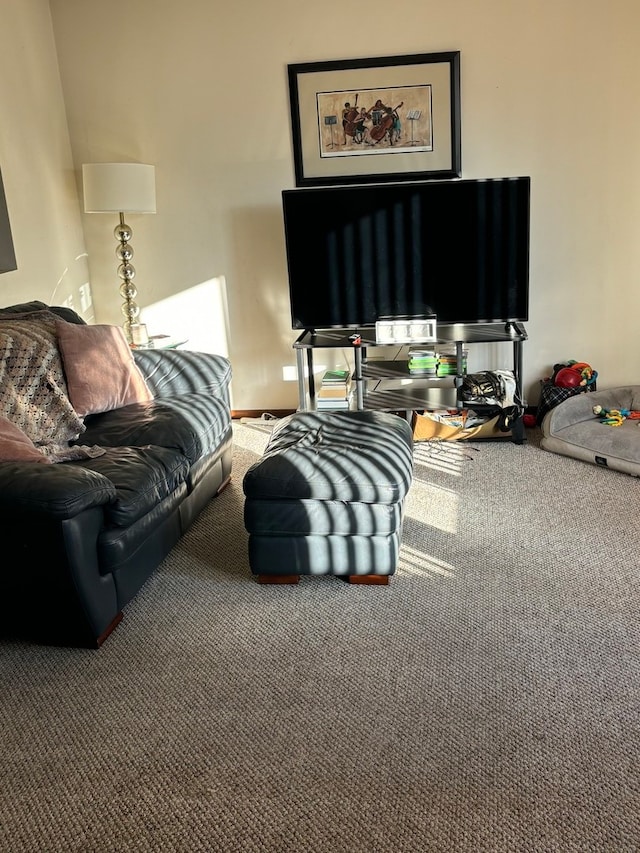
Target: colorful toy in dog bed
<point>614,417</point>
<point>573,374</point>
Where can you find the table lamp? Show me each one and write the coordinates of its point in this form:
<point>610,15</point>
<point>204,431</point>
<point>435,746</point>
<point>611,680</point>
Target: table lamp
<point>121,188</point>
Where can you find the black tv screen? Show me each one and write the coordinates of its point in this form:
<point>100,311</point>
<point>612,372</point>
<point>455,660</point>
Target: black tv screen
<point>458,249</point>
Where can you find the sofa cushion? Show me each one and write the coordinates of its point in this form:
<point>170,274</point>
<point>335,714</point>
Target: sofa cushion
<point>142,476</point>
<point>194,424</point>
<point>99,367</point>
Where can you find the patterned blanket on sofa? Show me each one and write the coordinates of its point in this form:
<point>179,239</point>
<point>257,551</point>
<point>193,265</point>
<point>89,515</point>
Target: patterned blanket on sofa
<point>33,389</point>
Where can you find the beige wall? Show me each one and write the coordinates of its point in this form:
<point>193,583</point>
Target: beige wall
<point>37,169</point>
<point>199,88</point>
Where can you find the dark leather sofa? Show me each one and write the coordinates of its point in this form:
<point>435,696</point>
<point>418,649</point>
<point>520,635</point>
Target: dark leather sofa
<point>86,534</point>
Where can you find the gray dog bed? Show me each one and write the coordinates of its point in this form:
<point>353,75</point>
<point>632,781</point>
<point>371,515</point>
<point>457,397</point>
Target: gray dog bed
<point>572,429</point>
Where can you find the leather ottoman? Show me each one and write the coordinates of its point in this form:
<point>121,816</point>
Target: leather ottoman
<point>327,497</point>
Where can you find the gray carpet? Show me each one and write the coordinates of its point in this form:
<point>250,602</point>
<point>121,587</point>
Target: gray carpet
<point>486,700</point>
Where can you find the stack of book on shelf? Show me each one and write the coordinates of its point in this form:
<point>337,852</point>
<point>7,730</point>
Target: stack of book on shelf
<point>447,363</point>
<point>335,390</point>
<point>422,362</point>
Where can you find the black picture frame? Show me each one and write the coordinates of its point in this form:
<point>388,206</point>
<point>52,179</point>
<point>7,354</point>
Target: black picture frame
<point>404,109</point>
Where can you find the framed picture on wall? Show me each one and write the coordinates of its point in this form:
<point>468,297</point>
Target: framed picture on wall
<point>393,118</point>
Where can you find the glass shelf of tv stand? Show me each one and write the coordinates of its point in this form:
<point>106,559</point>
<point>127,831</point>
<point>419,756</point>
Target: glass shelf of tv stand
<point>389,386</point>
<point>439,391</point>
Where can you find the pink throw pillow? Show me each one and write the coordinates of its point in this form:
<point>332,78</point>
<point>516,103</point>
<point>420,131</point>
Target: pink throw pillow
<point>99,367</point>
<point>15,446</point>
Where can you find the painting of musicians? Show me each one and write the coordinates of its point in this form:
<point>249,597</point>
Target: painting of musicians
<point>375,121</point>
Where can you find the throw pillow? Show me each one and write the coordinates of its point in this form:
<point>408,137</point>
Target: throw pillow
<point>100,370</point>
<point>15,446</point>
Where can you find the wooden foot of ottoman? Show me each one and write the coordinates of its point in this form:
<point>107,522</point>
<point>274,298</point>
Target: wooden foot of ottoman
<point>327,496</point>
<point>278,578</point>
<point>378,580</point>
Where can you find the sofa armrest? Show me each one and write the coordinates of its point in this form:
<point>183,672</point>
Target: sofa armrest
<point>60,491</point>
<point>170,372</point>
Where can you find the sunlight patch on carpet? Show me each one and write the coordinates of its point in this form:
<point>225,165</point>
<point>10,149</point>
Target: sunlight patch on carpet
<point>413,562</point>
<point>433,505</point>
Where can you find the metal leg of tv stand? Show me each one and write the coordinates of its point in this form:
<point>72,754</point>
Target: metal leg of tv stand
<point>306,384</point>
<point>358,354</point>
<point>311,382</point>
<point>459,372</point>
<point>517,431</point>
<point>517,365</point>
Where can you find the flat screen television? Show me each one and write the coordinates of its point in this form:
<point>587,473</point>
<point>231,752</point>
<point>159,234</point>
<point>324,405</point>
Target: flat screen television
<point>456,249</point>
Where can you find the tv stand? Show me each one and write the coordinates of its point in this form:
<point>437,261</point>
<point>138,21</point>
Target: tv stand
<point>513,327</point>
<point>415,393</point>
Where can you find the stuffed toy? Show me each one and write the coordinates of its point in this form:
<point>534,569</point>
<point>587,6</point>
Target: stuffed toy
<point>573,374</point>
<point>614,417</point>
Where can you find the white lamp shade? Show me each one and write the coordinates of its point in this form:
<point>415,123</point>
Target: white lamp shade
<point>119,188</point>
